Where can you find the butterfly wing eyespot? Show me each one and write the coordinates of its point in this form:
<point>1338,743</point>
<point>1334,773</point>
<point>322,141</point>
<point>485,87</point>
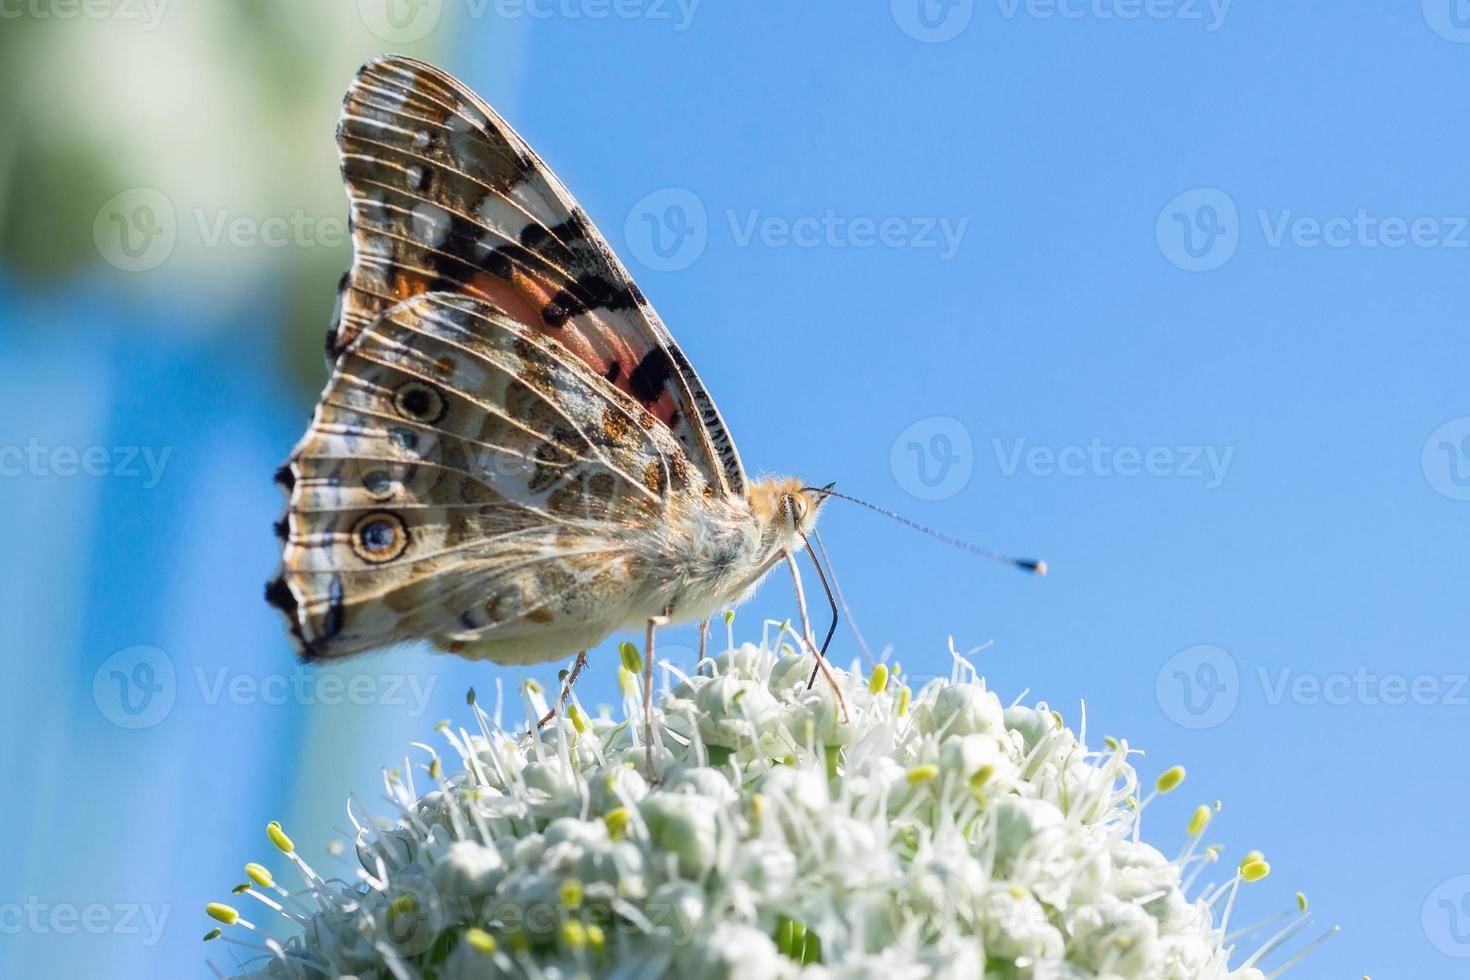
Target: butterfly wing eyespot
<point>534,488</point>
<point>379,537</point>
<point>419,402</point>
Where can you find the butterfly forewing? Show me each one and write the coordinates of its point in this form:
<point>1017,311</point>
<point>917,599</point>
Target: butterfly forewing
<point>446,197</point>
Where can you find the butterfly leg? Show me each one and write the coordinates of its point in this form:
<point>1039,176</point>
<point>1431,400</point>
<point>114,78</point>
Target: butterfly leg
<point>703,643</point>
<point>653,623</point>
<point>566,690</point>
<point>809,639</point>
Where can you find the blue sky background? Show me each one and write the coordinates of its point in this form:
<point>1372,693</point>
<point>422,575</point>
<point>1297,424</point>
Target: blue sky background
<point>1231,242</point>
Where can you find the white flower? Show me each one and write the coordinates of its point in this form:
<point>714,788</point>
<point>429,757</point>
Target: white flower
<point>936,834</point>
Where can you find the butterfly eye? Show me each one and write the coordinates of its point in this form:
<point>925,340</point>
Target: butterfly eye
<point>419,402</point>
<point>379,537</point>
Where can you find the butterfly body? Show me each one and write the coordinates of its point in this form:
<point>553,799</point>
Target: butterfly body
<point>511,459</point>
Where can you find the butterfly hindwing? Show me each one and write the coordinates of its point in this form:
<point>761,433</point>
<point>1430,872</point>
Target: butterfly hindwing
<point>446,197</point>
<point>468,479</point>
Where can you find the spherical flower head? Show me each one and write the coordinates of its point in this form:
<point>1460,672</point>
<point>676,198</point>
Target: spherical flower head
<point>934,833</point>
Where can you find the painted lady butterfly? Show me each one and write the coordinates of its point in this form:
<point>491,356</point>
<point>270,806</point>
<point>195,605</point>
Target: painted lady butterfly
<point>512,458</point>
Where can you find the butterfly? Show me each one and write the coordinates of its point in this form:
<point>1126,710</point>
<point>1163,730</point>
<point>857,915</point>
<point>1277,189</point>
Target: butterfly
<point>512,458</point>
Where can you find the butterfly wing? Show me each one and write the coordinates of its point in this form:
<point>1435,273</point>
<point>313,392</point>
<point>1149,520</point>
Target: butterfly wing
<point>446,197</point>
<point>468,479</point>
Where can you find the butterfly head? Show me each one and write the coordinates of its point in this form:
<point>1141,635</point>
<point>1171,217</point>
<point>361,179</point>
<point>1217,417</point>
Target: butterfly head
<point>787,509</point>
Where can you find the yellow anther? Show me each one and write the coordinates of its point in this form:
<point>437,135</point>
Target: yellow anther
<point>879,680</point>
<point>1255,871</point>
<point>1199,821</point>
<point>221,912</point>
<point>1170,780</point>
<point>480,940</point>
<point>617,822</point>
<point>922,773</point>
<point>571,893</point>
<point>278,836</point>
<point>258,874</point>
<point>904,696</point>
<point>579,718</point>
<point>632,659</point>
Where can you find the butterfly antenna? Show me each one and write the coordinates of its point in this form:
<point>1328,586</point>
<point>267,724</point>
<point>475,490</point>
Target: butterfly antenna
<point>1024,564</point>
